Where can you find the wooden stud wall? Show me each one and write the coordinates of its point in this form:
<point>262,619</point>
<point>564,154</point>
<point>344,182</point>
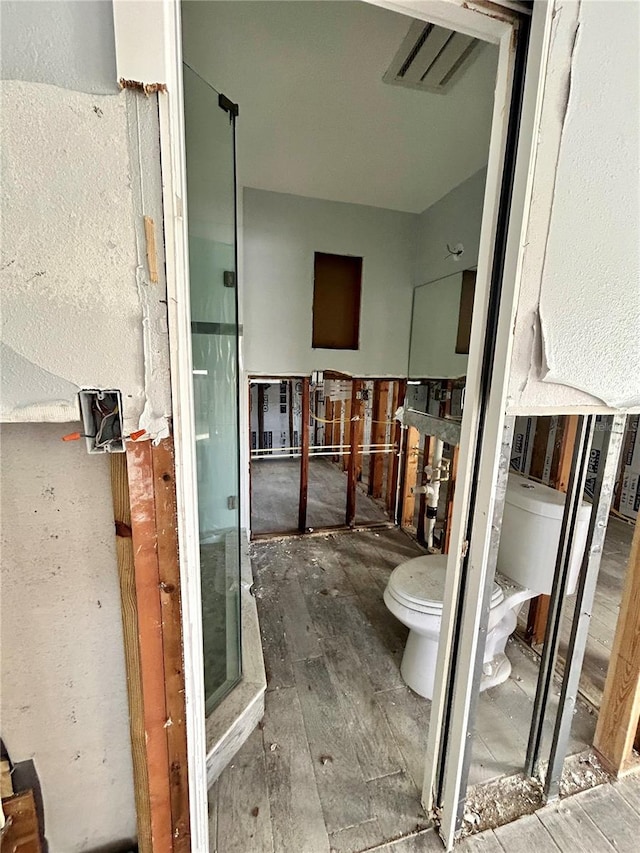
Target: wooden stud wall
<point>422,479</point>
<point>399,388</point>
<point>260,436</point>
<point>329,426</point>
<point>347,432</point>
<point>378,436</point>
<point>304,461</point>
<point>410,476</point>
<point>451,492</point>
<point>620,708</point>
<point>336,427</point>
<point>344,429</point>
<point>144,501</point>
<point>354,465</point>
<point>126,572</point>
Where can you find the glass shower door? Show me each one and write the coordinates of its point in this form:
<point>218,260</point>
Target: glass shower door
<point>211,197</point>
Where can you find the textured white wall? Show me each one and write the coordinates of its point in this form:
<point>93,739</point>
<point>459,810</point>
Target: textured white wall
<point>78,309</point>
<point>64,695</point>
<point>281,234</point>
<point>576,336</point>
<point>63,42</point>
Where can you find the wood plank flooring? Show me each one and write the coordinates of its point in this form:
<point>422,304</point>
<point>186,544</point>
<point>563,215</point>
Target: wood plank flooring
<point>338,762</point>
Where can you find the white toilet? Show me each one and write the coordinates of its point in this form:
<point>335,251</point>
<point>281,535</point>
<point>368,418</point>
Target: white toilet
<point>526,563</point>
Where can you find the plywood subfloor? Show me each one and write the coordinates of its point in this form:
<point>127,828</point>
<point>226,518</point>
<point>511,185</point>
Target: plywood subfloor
<point>275,491</point>
<point>338,762</point>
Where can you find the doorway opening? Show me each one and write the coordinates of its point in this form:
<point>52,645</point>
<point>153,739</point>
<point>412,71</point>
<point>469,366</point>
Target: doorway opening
<point>335,437</point>
<point>326,453</point>
<point>336,165</point>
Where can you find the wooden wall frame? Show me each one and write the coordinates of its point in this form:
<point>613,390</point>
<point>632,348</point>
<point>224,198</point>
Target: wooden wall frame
<point>354,464</point>
<point>399,389</point>
<point>304,461</point>
<point>378,436</point>
<point>144,502</point>
<point>409,476</point>
<point>617,726</point>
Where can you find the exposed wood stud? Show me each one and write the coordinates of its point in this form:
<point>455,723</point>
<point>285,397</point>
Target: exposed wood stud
<point>451,491</point>
<point>126,573</point>
<point>169,582</point>
<point>410,476</point>
<point>620,708</point>
<point>152,254</point>
<point>336,427</point>
<point>399,387</point>
<point>347,431</point>
<point>378,436</point>
<point>560,476</point>
<point>354,470</point>
<point>422,479</point>
<point>328,427</point>
<point>290,390</point>
<point>150,636</point>
<point>316,422</point>
<point>304,461</point>
<point>260,436</point>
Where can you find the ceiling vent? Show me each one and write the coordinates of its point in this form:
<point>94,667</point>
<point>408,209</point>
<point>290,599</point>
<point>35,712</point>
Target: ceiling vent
<point>431,58</point>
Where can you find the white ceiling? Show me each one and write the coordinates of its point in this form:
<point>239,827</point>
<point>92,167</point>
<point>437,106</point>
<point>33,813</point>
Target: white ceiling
<point>315,117</point>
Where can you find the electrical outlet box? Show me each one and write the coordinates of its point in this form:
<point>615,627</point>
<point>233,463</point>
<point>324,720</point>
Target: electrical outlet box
<point>101,412</point>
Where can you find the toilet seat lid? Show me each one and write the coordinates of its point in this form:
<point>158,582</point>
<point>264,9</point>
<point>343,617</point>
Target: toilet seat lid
<point>419,583</point>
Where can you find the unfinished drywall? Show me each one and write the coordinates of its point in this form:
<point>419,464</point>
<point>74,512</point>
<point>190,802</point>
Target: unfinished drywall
<point>64,695</point>
<point>281,234</point>
<point>434,330</point>
<point>453,221</point>
<point>79,309</point>
<point>576,335</point>
<point>63,42</point>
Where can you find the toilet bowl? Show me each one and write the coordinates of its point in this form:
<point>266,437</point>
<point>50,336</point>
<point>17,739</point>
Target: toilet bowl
<point>525,568</point>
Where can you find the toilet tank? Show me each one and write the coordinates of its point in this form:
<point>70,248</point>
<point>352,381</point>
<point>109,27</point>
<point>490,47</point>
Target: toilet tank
<point>531,532</point>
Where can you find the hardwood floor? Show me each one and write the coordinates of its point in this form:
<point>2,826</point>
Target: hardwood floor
<point>338,762</point>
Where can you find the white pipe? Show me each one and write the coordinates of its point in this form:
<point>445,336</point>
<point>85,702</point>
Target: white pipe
<point>432,499</point>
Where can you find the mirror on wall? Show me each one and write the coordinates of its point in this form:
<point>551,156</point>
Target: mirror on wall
<point>441,327</point>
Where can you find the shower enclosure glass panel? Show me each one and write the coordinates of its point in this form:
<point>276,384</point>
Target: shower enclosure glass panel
<point>211,197</point>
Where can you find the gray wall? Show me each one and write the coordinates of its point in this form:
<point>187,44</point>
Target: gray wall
<point>281,234</point>
<point>64,695</point>
<point>456,218</point>
<point>67,44</point>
